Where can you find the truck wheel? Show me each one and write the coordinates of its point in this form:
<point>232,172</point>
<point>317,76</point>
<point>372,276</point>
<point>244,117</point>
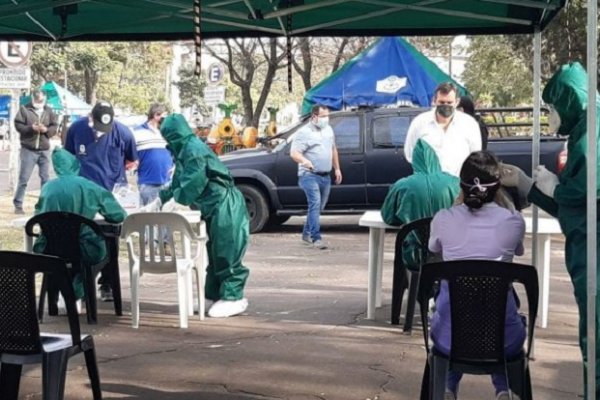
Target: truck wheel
<point>258,208</point>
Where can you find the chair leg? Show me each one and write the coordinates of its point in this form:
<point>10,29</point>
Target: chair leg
<point>91,304</point>
<point>43,292</point>
<point>92,367</point>
<point>519,379</point>
<point>398,287</point>
<point>113,265</point>
<point>54,373</point>
<point>200,292</point>
<point>182,275</point>
<point>134,274</point>
<point>52,297</point>
<point>439,372</point>
<point>412,301</point>
<point>10,378</point>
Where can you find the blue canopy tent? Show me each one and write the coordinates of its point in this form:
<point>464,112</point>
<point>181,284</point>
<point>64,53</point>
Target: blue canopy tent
<point>390,71</point>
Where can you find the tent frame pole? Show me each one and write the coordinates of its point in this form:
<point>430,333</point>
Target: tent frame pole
<point>592,156</point>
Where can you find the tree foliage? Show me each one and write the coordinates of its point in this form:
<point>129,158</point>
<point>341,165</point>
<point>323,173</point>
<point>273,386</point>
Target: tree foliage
<point>495,75</point>
<point>130,75</point>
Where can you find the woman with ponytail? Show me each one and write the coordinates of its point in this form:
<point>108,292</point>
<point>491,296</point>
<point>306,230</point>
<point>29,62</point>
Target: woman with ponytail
<point>489,230</point>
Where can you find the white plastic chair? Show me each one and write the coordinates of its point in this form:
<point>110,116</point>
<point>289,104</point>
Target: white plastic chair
<point>143,232</point>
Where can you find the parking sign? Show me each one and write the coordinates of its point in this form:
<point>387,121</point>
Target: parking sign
<point>215,73</point>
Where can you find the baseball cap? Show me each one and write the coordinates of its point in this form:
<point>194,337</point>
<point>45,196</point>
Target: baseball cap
<point>103,116</point>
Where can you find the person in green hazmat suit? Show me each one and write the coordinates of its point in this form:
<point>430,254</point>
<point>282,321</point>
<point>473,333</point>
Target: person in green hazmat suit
<point>202,182</point>
<point>564,196</point>
<point>75,194</point>
<point>419,195</point>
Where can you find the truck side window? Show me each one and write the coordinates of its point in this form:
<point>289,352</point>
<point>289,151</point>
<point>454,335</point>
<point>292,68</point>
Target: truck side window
<point>390,131</point>
<point>347,133</point>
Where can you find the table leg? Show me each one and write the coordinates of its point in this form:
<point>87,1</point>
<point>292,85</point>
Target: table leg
<point>543,268</point>
<point>375,265</point>
<point>27,242</point>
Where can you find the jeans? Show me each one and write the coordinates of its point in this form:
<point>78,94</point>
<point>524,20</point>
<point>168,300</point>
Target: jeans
<point>28,160</point>
<point>498,380</point>
<point>149,193</point>
<point>317,189</point>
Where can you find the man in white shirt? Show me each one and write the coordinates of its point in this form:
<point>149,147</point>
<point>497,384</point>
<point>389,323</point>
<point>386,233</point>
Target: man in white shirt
<point>452,134</point>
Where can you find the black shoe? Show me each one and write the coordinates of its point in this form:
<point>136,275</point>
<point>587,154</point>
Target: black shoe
<point>106,293</point>
<point>19,211</point>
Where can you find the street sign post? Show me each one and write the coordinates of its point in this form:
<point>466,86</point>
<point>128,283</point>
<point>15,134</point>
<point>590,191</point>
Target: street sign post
<point>213,95</point>
<point>15,78</point>
<point>15,54</point>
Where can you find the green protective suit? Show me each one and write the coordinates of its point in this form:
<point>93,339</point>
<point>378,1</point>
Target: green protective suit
<point>202,182</point>
<point>73,193</point>
<point>567,92</point>
<point>420,195</point>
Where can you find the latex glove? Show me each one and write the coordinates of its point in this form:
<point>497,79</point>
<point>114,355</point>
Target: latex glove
<point>169,206</point>
<point>513,176</point>
<point>153,206</point>
<point>545,180</point>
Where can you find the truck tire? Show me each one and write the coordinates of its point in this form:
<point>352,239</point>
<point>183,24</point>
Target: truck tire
<point>257,205</point>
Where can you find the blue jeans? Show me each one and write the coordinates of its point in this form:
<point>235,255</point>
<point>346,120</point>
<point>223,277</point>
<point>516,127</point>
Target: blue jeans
<point>28,160</point>
<point>149,193</point>
<point>317,189</point>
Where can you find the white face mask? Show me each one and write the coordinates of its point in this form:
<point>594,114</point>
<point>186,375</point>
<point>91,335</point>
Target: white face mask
<point>38,106</point>
<point>553,120</point>
<point>322,122</point>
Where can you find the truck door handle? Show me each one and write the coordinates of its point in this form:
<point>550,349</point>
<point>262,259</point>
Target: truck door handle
<point>358,161</point>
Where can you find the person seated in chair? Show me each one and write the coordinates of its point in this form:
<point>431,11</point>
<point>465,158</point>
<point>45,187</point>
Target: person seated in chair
<point>419,195</point>
<point>478,228</point>
<point>75,194</point>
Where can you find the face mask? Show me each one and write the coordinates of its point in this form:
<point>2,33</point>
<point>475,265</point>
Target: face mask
<point>322,122</point>
<point>38,106</point>
<point>553,120</point>
<point>445,110</point>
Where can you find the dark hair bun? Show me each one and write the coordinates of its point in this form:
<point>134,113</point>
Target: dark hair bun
<point>480,179</point>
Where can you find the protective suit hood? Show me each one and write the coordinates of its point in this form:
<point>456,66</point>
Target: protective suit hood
<point>567,92</point>
<point>64,163</point>
<point>176,132</point>
<point>424,159</point>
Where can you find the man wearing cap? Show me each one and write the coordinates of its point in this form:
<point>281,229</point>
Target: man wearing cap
<point>36,124</point>
<point>102,147</point>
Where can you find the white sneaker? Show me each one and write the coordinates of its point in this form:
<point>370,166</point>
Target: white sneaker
<point>228,308</point>
<point>506,396</point>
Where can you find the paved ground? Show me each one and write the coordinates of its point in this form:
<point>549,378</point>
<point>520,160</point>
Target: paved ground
<point>303,337</point>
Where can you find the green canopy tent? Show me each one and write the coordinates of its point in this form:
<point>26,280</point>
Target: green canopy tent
<point>61,100</point>
<point>38,20</point>
<point>173,19</point>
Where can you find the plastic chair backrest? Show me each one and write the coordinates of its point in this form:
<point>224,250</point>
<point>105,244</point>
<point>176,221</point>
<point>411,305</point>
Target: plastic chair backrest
<point>61,229</point>
<point>147,248</point>
<point>19,327</point>
<point>420,230</point>
<point>478,292</point>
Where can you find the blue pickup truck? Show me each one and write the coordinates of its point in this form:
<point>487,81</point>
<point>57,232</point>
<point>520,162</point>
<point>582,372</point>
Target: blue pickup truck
<point>370,146</point>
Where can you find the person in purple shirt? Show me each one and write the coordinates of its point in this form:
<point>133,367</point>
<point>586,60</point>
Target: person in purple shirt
<point>488,231</point>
